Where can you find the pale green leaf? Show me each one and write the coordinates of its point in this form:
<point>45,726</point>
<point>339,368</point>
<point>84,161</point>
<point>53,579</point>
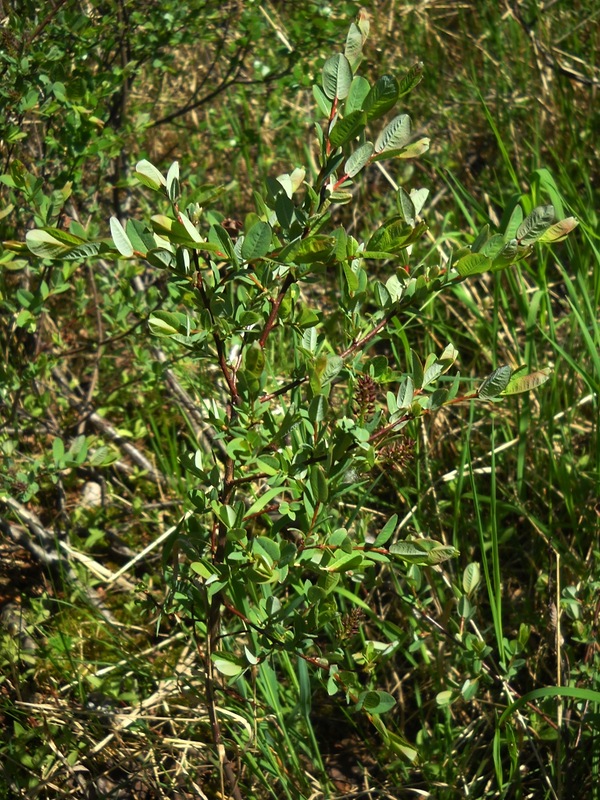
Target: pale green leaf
<point>472,264</point>
<point>525,383</point>
<point>149,175</point>
<point>558,231</point>
<point>535,224</point>
<point>471,577</point>
<point>359,89</point>
<point>227,665</point>
<point>337,77</point>
<point>120,238</point>
<point>359,158</point>
<point>395,135</point>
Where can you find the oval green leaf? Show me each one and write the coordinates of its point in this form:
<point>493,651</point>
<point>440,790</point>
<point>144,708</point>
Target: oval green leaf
<point>359,89</point>
<point>535,224</point>
<point>120,238</point>
<point>257,241</point>
<point>376,702</point>
<point>149,175</point>
<point>395,135</point>
<point>337,77</point>
<point>473,264</point>
<point>495,383</point>
<point>526,383</point>
<point>359,158</point>
<point>348,128</point>
<point>382,97</point>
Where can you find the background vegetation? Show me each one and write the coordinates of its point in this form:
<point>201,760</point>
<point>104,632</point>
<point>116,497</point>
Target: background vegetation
<point>101,689</point>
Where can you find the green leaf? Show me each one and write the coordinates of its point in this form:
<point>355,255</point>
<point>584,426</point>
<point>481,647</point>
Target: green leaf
<point>440,553</point>
<point>140,236</point>
<point>337,77</point>
<point>284,210</point>
<point>405,394</point>
<point>262,544</point>
<point>481,238</point>
<point>339,539</point>
<point>393,236</point>
<point>413,77</point>
<point>417,369</point>
<point>558,231</point>
<point>375,702</point>
<point>525,383</point>
<point>168,323</point>
<point>263,501</point>
<point>103,457</point>
<point>309,339</point>
<point>257,241</point>
<point>190,228</point>
<point>535,224</point>
<point>58,450</point>
<point>218,236</point>
<point>492,247</point>
<point>333,367</point>
<point>44,245</point>
<point>255,360</point>
<point>227,664</point>
<point>341,196</point>
<point>471,577</point>
<point>317,410</point>
<point>161,258</point>
<point>149,175</point>
<point>78,449</point>
<point>359,89</point>
<point>400,746</point>
<point>407,207</point>
<point>354,45</point>
<point>323,103</point>
<point>120,238</point>
<point>386,533</point>
<point>183,232</point>
<point>359,158</point>
<point>395,288</point>
<point>495,383</point>
<point>382,97</point>
<point>66,238</point>
<point>445,698</point>
<point>172,182</point>
<point>413,150</point>
<point>410,552</point>
<point>432,370</point>
<point>348,128</point>
<point>472,264</point>
<point>343,562</point>
<point>516,218</point>
<point>318,484</point>
<point>506,256</point>
<point>395,135</point>
<point>316,248</point>
<point>423,551</point>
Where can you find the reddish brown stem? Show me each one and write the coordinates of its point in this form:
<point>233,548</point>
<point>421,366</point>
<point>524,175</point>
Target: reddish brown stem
<point>371,335</point>
<point>272,321</point>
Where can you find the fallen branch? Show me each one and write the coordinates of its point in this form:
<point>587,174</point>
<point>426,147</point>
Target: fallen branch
<point>42,545</point>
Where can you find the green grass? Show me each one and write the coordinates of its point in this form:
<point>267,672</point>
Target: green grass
<point>514,486</point>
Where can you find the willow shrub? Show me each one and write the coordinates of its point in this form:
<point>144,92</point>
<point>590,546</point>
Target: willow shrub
<point>291,315</point>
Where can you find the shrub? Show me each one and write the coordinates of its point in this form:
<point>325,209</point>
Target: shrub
<point>294,326</point>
